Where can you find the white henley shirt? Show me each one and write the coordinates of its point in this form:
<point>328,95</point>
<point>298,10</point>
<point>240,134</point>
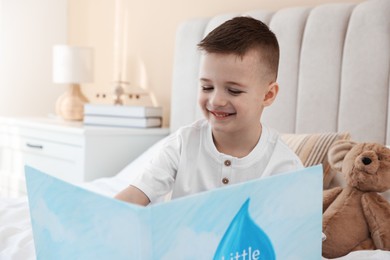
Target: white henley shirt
<point>189,162</point>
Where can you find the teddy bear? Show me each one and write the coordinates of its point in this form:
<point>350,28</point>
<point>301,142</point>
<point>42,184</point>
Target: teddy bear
<point>357,217</point>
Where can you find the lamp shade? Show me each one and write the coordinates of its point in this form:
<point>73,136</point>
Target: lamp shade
<point>72,64</point>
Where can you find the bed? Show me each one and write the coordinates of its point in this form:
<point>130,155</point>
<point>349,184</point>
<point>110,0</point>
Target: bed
<point>334,78</point>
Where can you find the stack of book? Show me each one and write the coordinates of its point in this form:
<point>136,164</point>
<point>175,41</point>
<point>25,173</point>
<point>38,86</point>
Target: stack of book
<point>122,116</point>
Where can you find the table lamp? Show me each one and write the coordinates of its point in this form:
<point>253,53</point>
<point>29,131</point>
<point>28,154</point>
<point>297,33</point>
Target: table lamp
<point>72,65</point>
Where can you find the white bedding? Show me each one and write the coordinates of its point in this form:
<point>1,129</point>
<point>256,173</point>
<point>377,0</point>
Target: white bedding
<point>16,240</point>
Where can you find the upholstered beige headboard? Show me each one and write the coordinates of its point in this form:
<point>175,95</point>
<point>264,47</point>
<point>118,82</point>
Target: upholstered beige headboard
<point>334,69</point>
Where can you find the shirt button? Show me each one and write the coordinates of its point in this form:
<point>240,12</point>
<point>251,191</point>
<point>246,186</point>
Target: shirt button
<point>228,163</point>
<point>225,180</point>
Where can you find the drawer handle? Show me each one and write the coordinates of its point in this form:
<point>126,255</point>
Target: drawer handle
<point>34,146</point>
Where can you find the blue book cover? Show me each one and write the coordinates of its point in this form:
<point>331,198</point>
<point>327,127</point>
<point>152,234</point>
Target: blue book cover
<point>278,217</point>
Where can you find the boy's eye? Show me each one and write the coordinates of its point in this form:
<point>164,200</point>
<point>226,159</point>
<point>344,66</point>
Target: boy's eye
<point>235,92</point>
<point>207,88</point>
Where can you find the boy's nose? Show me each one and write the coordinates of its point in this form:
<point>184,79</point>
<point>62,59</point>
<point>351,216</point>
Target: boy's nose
<point>217,99</point>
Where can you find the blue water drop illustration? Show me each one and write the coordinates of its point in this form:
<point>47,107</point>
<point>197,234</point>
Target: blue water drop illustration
<point>244,239</point>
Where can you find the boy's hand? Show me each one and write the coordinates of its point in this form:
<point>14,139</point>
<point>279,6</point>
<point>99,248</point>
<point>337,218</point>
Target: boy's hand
<point>133,195</point>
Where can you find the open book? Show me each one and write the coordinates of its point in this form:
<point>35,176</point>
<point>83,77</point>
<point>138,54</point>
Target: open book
<point>278,217</point>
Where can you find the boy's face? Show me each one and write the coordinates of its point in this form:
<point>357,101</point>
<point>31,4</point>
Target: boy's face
<point>234,91</point>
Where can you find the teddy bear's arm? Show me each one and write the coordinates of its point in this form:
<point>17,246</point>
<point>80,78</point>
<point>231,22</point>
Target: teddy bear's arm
<point>377,212</point>
<point>329,196</point>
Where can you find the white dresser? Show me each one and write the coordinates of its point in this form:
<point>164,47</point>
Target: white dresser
<point>68,150</point>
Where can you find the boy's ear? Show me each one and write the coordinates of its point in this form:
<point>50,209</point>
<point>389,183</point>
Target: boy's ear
<point>270,96</point>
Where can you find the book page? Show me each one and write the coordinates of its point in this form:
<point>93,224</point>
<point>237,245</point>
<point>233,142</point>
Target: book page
<point>278,217</point>
<point>70,222</point>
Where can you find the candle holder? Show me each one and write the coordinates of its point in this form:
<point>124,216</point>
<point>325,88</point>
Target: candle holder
<point>124,94</point>
<point>119,91</point>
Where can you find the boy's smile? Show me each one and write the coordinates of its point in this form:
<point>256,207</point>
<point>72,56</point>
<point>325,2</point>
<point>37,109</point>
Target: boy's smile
<point>219,115</point>
<point>233,92</point>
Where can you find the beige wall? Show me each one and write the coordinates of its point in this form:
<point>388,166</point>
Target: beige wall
<point>151,34</point>
<point>28,30</point>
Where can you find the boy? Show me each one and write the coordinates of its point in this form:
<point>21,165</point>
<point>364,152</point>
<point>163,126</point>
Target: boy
<point>237,80</point>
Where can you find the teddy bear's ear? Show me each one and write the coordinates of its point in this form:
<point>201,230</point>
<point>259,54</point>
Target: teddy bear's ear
<point>337,153</point>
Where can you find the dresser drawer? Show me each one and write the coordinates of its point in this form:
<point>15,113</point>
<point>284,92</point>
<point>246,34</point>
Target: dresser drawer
<point>50,149</point>
<point>58,159</point>
<point>61,160</point>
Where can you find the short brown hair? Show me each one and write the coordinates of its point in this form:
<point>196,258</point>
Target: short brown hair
<point>241,34</point>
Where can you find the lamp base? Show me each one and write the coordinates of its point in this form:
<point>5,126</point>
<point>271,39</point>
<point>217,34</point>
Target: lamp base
<point>70,105</point>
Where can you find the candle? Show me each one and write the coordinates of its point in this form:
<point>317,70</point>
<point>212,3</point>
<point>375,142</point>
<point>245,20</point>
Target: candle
<point>120,40</point>
<point>124,45</point>
<point>117,40</point>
